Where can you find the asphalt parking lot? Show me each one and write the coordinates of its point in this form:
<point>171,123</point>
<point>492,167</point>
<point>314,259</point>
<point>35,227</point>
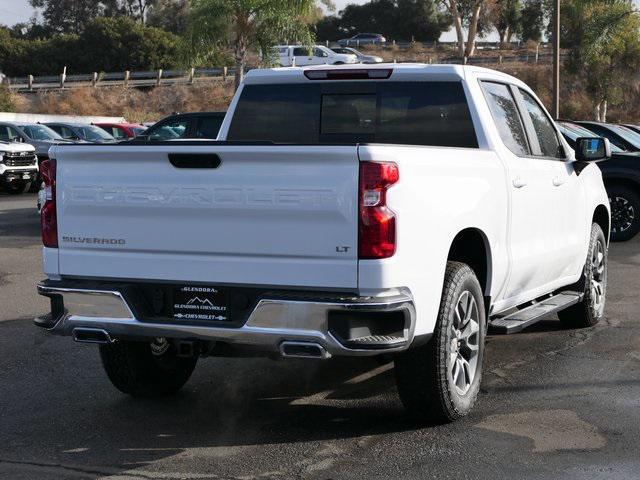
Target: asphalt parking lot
<point>555,403</point>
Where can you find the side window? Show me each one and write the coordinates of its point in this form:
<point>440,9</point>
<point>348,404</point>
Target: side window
<point>4,134</point>
<point>547,136</point>
<point>13,134</point>
<point>301,52</point>
<point>117,133</point>
<point>319,53</point>
<point>506,117</point>
<point>208,127</point>
<point>56,129</point>
<point>170,130</point>
<point>613,138</point>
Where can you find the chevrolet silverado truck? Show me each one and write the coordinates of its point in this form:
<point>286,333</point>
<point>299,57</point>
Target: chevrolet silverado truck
<point>343,211</point>
<point>18,166</point>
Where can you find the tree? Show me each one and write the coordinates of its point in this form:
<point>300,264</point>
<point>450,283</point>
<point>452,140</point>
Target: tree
<point>396,19</point>
<point>507,19</point>
<point>137,8</point>
<point>472,15</point>
<point>532,20</point>
<point>170,15</point>
<point>71,16</point>
<point>604,38</point>
<point>257,24</point>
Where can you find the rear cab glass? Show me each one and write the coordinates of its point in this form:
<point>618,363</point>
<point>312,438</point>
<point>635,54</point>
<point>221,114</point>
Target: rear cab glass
<point>431,113</point>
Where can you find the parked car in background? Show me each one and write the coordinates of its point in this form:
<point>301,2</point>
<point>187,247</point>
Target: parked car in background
<point>300,56</point>
<point>635,128</point>
<point>81,132</point>
<point>122,131</point>
<point>38,135</point>
<point>622,137</point>
<point>184,125</point>
<point>18,166</point>
<point>621,175</point>
<point>362,58</point>
<point>363,39</point>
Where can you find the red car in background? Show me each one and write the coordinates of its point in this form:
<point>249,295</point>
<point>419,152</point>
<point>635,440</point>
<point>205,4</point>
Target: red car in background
<point>122,131</point>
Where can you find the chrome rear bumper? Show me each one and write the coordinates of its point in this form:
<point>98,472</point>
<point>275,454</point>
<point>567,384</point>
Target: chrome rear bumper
<point>271,323</point>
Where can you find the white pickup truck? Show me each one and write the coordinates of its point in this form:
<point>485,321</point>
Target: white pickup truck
<point>350,211</point>
<point>18,166</point>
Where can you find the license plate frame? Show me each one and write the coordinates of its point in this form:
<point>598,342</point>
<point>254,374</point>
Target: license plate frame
<point>200,304</point>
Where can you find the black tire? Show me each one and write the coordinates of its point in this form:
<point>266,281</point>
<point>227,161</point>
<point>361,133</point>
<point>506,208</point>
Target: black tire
<point>591,309</point>
<point>425,374</point>
<point>133,368</point>
<point>625,213</point>
<point>15,188</point>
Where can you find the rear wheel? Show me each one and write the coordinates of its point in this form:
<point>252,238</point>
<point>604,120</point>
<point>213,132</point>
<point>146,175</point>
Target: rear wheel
<point>146,369</point>
<point>593,285</point>
<point>625,213</point>
<point>439,382</point>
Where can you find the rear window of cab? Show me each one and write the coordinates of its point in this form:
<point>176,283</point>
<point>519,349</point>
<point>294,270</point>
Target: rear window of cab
<point>405,113</point>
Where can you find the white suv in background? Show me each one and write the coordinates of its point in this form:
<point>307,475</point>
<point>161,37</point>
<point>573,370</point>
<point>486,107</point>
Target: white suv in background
<point>299,55</point>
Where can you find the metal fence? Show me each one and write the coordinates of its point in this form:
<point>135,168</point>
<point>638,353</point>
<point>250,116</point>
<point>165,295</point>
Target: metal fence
<point>152,78</point>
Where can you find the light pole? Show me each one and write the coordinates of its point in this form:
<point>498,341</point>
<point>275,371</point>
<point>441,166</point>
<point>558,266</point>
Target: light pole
<point>556,60</point>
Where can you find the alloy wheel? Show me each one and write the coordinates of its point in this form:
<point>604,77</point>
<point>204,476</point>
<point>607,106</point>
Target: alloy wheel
<point>598,278</point>
<point>622,214</point>
<point>463,343</point>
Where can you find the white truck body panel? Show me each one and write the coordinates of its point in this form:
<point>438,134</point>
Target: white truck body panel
<point>282,215</point>
<point>266,216</point>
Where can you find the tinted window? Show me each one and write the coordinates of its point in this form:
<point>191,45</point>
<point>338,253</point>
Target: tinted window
<point>208,127</point>
<point>172,129</point>
<point>8,134</point>
<point>116,132</point>
<point>40,132</point>
<point>546,133</point>
<point>301,52</point>
<point>506,117</point>
<point>613,138</point>
<point>416,113</point>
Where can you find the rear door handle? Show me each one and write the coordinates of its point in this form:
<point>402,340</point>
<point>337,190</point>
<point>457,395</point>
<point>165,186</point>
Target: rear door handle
<point>557,181</point>
<point>518,182</point>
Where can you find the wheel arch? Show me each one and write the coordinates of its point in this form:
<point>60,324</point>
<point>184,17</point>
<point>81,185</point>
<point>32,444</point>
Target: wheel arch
<point>629,182</point>
<point>471,246</point>
<point>601,216</point>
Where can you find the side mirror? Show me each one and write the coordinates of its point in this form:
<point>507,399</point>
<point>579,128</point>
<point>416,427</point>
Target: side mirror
<point>594,149</point>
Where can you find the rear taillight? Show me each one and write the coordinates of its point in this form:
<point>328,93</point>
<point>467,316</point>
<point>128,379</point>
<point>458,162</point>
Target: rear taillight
<point>48,215</point>
<point>377,228</point>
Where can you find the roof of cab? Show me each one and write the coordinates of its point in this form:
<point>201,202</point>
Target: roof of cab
<point>401,71</point>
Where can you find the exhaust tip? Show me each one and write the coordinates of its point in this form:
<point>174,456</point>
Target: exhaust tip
<point>303,350</point>
<point>91,335</point>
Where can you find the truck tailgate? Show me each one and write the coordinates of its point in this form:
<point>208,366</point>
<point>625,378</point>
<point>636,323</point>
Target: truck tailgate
<point>266,215</point>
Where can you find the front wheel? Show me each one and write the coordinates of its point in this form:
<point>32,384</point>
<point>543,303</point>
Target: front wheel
<point>146,369</point>
<point>625,213</point>
<point>593,285</point>
<point>439,381</point>
<point>16,187</point>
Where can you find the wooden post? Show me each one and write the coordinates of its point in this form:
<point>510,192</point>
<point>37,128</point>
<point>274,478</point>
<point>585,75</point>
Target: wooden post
<point>500,59</point>
<point>537,51</point>
<point>159,79</point>
<point>225,70</point>
<point>63,77</point>
<point>192,75</point>
<point>30,80</point>
<point>127,75</point>
<point>94,80</point>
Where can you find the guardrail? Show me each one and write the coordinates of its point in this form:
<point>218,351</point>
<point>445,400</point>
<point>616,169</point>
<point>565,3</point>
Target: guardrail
<point>153,78</point>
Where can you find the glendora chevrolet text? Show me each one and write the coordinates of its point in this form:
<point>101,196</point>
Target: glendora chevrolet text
<point>354,210</point>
